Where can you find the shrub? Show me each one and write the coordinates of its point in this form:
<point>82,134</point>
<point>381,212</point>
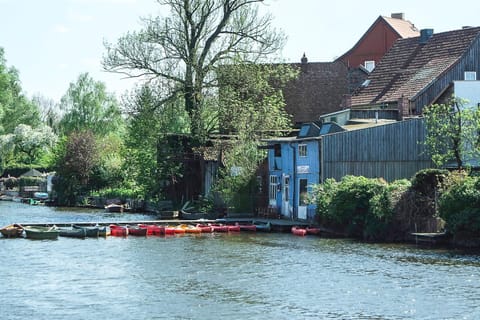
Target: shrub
<point>361,206</point>
<point>459,206</point>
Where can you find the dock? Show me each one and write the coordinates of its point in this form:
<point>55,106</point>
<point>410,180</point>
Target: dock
<point>434,238</point>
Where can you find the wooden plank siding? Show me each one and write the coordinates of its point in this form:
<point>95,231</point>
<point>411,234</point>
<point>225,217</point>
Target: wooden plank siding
<point>470,61</point>
<point>393,151</point>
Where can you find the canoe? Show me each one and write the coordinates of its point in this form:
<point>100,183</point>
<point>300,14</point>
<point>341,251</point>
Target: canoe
<point>247,227</point>
<point>137,231</point>
<point>299,231</point>
<point>12,231</point>
<point>118,231</point>
<point>205,228</point>
<point>92,232</point>
<point>103,231</point>
<point>219,228</point>
<point>313,230</point>
<point>32,232</point>
<point>72,232</point>
<point>153,229</point>
<point>190,228</point>
<point>113,207</point>
<point>263,226</point>
<point>235,228</point>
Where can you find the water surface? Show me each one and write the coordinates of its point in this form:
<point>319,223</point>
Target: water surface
<point>226,276</point>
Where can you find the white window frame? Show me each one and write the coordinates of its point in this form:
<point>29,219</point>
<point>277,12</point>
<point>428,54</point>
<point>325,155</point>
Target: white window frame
<point>302,150</point>
<point>470,75</point>
<point>273,188</point>
<point>369,65</point>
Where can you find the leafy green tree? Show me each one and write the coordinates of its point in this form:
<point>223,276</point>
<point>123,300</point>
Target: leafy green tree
<point>31,143</point>
<point>87,106</point>
<point>77,156</point>
<point>251,108</point>
<point>452,132</point>
<point>183,50</point>
<point>15,108</point>
<point>148,127</point>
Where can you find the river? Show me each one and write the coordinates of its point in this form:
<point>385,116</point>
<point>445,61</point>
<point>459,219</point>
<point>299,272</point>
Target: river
<point>226,276</point>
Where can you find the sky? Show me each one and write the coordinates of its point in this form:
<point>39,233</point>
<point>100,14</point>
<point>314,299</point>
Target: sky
<point>51,42</point>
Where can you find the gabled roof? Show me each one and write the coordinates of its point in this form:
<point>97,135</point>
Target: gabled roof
<point>410,66</point>
<point>404,28</point>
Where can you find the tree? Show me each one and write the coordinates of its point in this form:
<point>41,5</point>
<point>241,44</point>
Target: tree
<point>182,51</point>
<point>15,108</point>
<point>147,126</point>
<point>30,142</point>
<point>76,157</point>
<point>452,132</point>
<point>88,107</point>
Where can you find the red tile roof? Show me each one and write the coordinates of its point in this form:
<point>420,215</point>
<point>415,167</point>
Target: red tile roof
<point>404,28</point>
<point>409,66</point>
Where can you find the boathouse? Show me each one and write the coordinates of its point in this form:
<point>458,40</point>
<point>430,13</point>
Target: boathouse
<point>372,148</point>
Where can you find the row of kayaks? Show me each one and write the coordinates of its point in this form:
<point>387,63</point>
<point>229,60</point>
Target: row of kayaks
<point>77,231</point>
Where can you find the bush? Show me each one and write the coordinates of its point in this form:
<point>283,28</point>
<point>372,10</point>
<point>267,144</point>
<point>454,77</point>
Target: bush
<point>361,206</point>
<point>459,206</point>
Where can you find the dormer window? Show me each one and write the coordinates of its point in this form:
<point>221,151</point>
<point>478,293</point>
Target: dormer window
<point>369,65</point>
<point>470,75</point>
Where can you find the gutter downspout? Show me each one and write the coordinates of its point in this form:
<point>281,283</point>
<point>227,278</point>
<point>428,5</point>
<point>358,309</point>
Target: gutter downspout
<point>322,177</point>
<point>294,179</point>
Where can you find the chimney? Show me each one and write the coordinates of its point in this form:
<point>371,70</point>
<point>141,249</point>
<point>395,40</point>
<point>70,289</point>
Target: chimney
<point>304,61</point>
<point>425,35</point>
<point>400,16</point>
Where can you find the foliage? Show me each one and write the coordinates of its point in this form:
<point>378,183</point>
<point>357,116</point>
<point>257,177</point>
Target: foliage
<point>459,205</point>
<point>251,99</point>
<point>362,206</point>
<point>117,193</point>
<point>88,106</point>
<point>251,108</point>
<point>426,180</point>
<point>15,108</point>
<point>26,145</point>
<point>452,132</point>
<point>76,157</point>
<point>147,162</point>
<point>182,51</point>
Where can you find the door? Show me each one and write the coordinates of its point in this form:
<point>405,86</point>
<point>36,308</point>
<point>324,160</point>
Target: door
<point>286,196</point>
<point>303,199</point>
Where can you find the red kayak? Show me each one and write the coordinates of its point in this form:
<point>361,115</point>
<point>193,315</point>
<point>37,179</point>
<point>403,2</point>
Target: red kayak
<point>313,230</point>
<point>219,228</point>
<point>299,231</point>
<point>153,229</point>
<point>137,231</point>
<point>235,228</point>
<point>205,228</point>
<point>118,231</point>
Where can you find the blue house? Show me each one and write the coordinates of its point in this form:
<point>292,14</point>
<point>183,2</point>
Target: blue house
<point>294,166</point>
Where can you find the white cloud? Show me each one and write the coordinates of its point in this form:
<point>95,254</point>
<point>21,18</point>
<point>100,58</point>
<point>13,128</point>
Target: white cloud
<point>60,28</point>
<point>77,17</point>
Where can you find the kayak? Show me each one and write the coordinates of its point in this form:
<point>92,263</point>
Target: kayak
<point>299,231</point>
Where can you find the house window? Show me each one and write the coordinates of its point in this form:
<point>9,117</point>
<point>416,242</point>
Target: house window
<point>303,192</point>
<point>369,65</point>
<point>302,150</point>
<point>277,149</point>
<point>470,75</point>
<point>272,194</point>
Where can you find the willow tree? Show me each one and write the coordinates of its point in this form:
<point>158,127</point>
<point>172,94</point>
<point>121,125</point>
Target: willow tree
<point>183,50</point>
